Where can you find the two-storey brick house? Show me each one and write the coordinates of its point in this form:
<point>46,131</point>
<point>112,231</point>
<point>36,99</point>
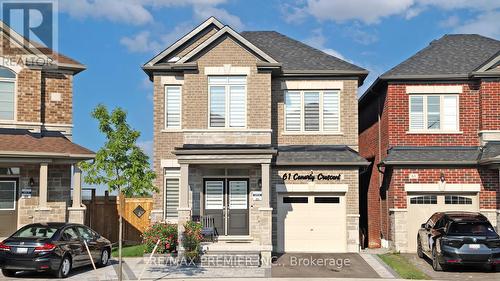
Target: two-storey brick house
<point>37,156</point>
<point>430,126</point>
<point>258,132</point>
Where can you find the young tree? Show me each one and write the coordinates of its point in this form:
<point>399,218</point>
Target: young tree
<point>120,163</point>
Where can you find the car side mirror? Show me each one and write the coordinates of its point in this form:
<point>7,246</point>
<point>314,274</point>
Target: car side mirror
<point>424,225</point>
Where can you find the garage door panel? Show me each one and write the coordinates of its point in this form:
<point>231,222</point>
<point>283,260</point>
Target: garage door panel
<point>311,227</point>
<point>420,209</point>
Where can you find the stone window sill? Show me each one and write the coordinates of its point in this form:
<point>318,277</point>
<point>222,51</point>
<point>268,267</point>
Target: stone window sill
<point>434,133</point>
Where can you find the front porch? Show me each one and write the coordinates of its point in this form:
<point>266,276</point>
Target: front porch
<point>231,186</point>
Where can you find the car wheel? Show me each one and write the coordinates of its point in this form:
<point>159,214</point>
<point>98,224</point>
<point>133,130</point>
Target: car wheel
<point>8,273</point>
<point>64,268</point>
<point>103,261</point>
<point>435,262</point>
<point>420,252</point>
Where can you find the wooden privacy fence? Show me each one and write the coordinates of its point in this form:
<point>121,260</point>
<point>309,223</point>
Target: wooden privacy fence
<point>102,216</point>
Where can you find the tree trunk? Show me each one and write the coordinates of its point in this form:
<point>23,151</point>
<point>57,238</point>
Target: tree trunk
<point>120,236</point>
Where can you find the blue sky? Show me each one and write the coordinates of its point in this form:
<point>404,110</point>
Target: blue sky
<point>113,38</point>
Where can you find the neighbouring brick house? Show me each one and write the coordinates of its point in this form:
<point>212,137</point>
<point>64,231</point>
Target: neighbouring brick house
<point>259,132</point>
<point>37,156</point>
<point>431,129</point>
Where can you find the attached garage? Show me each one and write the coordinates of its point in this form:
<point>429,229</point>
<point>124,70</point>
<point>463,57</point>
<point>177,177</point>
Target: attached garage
<point>312,222</point>
<point>421,206</point>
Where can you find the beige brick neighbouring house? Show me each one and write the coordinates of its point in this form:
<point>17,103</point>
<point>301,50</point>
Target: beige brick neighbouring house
<point>258,132</point>
<point>37,156</point>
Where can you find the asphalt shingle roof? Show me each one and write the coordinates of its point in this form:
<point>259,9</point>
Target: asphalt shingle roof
<point>318,155</point>
<point>14,142</point>
<point>432,154</point>
<point>295,55</point>
<point>455,54</point>
<point>491,151</point>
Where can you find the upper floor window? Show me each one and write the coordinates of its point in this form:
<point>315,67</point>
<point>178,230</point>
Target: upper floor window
<point>173,101</point>
<point>434,113</point>
<point>228,101</point>
<point>7,94</point>
<point>312,111</point>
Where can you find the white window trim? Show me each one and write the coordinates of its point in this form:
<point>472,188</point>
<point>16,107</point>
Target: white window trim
<point>14,80</point>
<point>227,102</point>
<point>177,128</point>
<point>302,115</point>
<point>15,196</point>
<point>441,103</point>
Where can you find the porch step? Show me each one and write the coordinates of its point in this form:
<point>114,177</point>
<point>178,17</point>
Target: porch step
<point>242,259</point>
<point>235,238</point>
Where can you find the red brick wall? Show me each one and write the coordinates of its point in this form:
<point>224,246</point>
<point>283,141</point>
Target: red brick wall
<point>488,179</point>
<point>399,119</point>
<point>490,105</point>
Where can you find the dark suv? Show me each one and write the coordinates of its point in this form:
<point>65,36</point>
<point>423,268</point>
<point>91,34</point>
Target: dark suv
<point>465,238</point>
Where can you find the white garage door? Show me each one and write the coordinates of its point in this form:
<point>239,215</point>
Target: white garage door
<point>422,206</point>
<point>312,222</point>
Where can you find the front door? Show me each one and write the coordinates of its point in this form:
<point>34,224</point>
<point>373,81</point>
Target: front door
<point>227,202</point>
<point>8,207</point>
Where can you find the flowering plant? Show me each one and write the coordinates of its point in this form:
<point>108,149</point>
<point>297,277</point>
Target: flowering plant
<point>192,239</point>
<point>166,233</point>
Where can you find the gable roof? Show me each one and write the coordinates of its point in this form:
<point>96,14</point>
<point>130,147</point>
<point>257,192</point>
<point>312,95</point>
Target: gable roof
<point>184,39</point>
<point>296,56</point>
<point>451,57</point>
<point>226,30</point>
<point>36,49</point>
<point>276,50</point>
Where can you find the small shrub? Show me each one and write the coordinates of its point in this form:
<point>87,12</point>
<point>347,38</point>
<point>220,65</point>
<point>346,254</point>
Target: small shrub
<point>167,233</point>
<point>192,240</point>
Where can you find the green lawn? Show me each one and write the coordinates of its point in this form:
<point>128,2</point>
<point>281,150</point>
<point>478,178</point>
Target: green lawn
<point>402,266</point>
<point>129,251</point>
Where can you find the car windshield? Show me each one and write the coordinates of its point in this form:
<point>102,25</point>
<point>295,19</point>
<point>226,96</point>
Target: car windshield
<point>471,228</point>
<point>37,231</point>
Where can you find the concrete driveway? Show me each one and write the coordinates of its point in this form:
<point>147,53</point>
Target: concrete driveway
<point>454,273</point>
<point>322,266</point>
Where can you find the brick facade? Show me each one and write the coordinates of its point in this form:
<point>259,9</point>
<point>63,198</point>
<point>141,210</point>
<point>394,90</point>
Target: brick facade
<point>384,123</point>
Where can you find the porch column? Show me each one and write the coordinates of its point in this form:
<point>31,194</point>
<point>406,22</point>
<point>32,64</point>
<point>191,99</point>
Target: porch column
<point>184,210</point>
<point>266,182</point>
<point>265,220</point>
<point>42,192</point>
<point>76,214</point>
<point>77,187</point>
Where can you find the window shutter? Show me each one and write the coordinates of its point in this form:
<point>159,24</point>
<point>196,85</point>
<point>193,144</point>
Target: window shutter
<point>293,111</point>
<point>311,111</point>
<point>331,111</point>
<point>237,106</point>
<point>217,106</point>
<point>173,107</point>
<point>6,100</point>
<point>450,106</point>
<point>171,197</point>
<point>416,112</point>
<point>433,112</point>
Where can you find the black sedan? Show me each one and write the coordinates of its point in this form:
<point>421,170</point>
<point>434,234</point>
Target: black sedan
<point>459,238</point>
<point>53,247</point>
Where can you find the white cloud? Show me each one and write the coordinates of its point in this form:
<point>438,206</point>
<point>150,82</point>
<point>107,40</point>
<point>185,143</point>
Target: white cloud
<point>318,41</point>
<point>203,12</point>
<point>138,12</point>
<point>373,11</point>
<point>147,147</point>
<point>154,42</point>
<point>451,21</point>
<point>486,24</point>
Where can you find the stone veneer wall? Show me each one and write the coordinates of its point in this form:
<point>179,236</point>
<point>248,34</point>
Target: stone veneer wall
<point>58,193</point>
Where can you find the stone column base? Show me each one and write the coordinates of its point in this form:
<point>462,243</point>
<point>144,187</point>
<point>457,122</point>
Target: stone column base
<point>76,215</point>
<point>353,233</point>
<point>266,235</point>
<point>184,215</point>
<point>156,216</point>
<point>399,229</point>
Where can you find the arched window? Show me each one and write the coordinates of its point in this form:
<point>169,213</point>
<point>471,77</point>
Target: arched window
<point>7,93</point>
